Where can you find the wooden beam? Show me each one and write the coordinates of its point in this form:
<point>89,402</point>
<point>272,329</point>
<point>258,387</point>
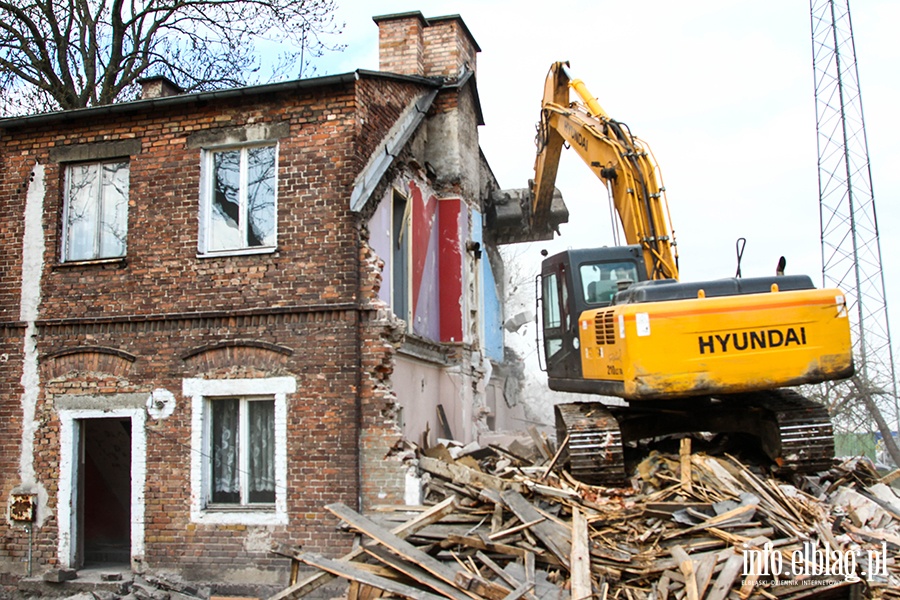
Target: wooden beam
<point>408,551</point>
<point>725,580</point>
<point>348,571</point>
<point>434,514</point>
<point>553,536</point>
<point>414,572</point>
<point>685,453</point>
<point>580,563</point>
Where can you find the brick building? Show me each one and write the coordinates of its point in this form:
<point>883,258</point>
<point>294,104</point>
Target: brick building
<point>220,312</point>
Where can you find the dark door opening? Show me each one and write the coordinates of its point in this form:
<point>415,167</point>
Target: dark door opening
<point>105,491</point>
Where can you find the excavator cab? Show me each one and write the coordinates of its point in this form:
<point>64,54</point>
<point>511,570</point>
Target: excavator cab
<point>572,282</point>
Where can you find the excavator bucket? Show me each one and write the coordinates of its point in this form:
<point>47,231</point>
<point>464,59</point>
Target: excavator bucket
<point>510,221</point>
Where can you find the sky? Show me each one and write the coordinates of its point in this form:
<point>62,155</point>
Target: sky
<point>722,92</point>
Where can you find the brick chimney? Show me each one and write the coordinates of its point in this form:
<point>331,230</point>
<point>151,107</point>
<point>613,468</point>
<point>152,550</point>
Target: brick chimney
<point>410,44</point>
<point>158,87</point>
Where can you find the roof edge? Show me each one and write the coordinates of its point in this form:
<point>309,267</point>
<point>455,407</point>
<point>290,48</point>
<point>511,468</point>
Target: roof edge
<point>200,97</point>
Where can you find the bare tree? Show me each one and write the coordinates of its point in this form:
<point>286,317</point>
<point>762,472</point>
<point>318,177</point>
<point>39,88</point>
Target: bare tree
<point>854,407</point>
<point>65,54</point>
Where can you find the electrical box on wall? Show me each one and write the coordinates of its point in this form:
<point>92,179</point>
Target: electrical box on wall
<point>22,508</point>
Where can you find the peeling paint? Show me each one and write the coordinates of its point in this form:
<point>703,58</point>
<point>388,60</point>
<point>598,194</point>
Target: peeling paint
<point>30,299</point>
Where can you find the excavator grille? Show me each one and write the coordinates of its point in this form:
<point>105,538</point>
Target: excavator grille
<point>604,327</point>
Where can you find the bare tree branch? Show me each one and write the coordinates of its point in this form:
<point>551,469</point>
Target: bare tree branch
<point>65,54</point>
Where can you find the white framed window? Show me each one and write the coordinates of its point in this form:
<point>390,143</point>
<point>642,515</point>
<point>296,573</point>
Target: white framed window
<point>238,199</point>
<point>95,210</point>
<point>239,449</point>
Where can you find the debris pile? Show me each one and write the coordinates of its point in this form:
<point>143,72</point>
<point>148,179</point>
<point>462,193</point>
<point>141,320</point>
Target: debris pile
<point>499,526</point>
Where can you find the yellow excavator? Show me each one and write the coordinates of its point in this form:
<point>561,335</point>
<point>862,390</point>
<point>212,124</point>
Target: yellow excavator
<point>710,356</point>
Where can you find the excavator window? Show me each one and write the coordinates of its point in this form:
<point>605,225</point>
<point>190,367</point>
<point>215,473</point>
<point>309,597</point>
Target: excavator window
<point>552,315</point>
<point>601,281</point>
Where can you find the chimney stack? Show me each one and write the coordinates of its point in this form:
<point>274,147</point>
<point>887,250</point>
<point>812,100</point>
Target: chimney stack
<point>410,44</point>
<point>158,86</point>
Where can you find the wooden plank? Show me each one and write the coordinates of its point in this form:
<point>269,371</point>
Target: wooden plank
<point>715,521</point>
<point>348,571</point>
<point>554,537</point>
<point>519,591</point>
<point>462,475</point>
<point>445,423</point>
<point>555,459</point>
<point>497,569</point>
<point>481,544</point>
<point>580,563</point>
<point>539,442</point>
<point>408,551</point>
<point>887,479</point>
<point>415,572</point>
<point>476,584</point>
<point>317,580</point>
<point>686,565</point>
<point>662,588</point>
<point>725,580</point>
<point>512,530</point>
<point>704,572</point>
<point>685,454</point>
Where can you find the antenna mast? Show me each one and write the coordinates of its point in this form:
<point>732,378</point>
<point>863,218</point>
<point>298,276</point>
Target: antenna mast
<point>851,252</point>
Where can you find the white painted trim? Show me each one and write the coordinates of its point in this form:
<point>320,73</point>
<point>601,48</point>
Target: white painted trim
<point>206,198</point>
<point>67,501</point>
<point>201,389</point>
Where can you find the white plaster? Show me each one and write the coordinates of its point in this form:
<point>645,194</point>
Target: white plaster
<point>160,403</point>
<point>67,496</point>
<point>413,488</point>
<point>30,299</point>
<point>201,389</point>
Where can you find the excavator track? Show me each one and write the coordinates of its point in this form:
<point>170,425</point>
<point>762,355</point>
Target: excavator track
<point>793,431</point>
<point>593,442</point>
<point>805,431</point>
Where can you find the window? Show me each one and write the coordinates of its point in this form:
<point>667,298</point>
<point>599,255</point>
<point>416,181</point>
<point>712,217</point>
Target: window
<point>601,281</point>
<point>239,199</point>
<point>95,211</point>
<point>241,451</point>
<point>552,315</point>
<point>400,259</point>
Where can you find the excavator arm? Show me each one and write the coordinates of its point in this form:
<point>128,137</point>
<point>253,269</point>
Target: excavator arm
<point>619,159</point>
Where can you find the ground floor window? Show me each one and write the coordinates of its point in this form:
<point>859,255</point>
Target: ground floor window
<point>239,449</point>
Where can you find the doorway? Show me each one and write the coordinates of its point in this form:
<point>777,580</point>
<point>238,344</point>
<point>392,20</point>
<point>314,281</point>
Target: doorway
<point>104,482</point>
<point>102,464</point>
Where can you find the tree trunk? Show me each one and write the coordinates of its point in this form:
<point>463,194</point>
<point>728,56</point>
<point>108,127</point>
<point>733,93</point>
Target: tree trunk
<point>883,427</point>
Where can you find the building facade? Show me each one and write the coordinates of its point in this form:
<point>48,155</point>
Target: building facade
<point>220,312</point>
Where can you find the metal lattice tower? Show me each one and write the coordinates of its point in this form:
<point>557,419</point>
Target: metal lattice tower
<point>851,252</point>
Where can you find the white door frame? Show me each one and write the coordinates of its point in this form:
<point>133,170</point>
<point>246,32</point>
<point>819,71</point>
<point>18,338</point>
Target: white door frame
<point>67,496</point>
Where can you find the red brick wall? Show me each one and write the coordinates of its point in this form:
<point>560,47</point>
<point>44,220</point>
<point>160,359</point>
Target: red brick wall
<point>295,312</point>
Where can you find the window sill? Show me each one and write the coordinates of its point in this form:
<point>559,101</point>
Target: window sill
<point>218,514</point>
<point>119,263</point>
<point>239,508</point>
<point>240,252</point>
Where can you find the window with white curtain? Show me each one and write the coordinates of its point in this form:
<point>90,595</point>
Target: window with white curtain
<point>241,451</point>
<point>95,219</point>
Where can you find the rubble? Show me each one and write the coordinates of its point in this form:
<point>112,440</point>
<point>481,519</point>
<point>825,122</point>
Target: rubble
<point>503,525</point>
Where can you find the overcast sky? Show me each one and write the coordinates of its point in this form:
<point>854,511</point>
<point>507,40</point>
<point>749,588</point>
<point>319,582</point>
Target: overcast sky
<point>721,91</point>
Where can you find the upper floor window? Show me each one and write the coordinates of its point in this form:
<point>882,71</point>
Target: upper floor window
<point>238,199</point>
<point>401,296</point>
<point>95,211</point>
